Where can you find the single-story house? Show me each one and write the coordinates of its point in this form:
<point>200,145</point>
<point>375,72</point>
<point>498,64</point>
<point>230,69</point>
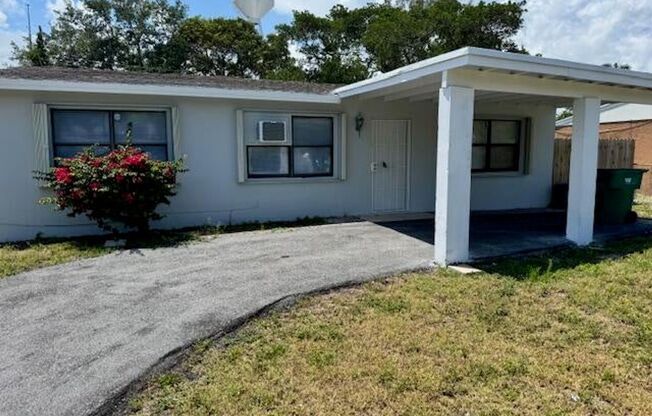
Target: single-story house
<point>623,121</point>
<point>472,129</point>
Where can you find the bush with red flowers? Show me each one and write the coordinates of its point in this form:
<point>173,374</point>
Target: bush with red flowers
<point>123,187</point>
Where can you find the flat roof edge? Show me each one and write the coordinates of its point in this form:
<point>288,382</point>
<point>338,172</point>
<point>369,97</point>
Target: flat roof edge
<point>506,61</point>
<point>456,58</point>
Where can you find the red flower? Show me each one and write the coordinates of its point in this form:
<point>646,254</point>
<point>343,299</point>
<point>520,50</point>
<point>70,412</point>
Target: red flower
<point>94,186</point>
<point>119,178</point>
<point>128,198</point>
<point>137,160</point>
<point>63,175</point>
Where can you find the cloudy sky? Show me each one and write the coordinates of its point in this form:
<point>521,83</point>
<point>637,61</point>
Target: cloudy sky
<point>592,31</point>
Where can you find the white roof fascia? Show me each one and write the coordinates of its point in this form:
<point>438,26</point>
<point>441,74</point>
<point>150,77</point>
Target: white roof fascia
<point>559,68</point>
<point>497,60</point>
<point>431,66</point>
<point>8,84</point>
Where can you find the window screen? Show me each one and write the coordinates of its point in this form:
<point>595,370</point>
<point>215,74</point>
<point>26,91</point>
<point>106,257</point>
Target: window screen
<point>75,130</point>
<point>268,161</point>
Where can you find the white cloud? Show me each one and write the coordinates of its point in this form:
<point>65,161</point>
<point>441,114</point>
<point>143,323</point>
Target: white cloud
<point>590,31</point>
<point>6,7</point>
<point>6,37</point>
<point>53,6</point>
<point>9,9</point>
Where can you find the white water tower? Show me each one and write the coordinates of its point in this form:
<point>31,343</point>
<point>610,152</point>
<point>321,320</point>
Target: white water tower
<point>254,10</point>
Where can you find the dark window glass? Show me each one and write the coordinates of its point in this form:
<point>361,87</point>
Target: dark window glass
<point>479,161</point>
<point>312,131</point>
<point>310,153</point>
<point>496,145</point>
<point>145,127</point>
<point>75,130</point>
<point>504,157</point>
<point>505,132</point>
<point>72,151</point>
<point>480,131</point>
<point>312,161</point>
<point>81,127</point>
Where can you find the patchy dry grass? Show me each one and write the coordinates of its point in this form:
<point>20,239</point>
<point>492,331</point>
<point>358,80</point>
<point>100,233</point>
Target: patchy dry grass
<point>21,257</point>
<point>565,333</point>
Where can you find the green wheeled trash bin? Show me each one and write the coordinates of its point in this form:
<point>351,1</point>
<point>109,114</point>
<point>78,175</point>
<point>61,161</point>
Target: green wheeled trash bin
<point>615,195</point>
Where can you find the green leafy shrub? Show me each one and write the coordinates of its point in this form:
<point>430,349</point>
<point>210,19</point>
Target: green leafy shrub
<point>123,187</point>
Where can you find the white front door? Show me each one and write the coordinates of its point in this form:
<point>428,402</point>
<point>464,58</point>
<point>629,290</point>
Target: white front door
<point>389,165</point>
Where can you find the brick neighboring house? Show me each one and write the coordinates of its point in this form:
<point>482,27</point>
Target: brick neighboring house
<point>623,121</point>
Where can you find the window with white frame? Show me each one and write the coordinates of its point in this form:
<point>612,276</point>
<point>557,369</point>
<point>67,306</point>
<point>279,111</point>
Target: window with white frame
<point>497,145</point>
<point>304,149</point>
<point>73,130</point>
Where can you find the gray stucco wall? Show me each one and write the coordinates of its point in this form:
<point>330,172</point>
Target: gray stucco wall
<point>210,193</point>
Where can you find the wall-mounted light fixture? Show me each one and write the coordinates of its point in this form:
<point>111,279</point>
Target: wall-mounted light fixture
<point>359,123</point>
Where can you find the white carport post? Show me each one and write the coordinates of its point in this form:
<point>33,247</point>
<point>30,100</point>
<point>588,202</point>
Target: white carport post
<point>454,146</point>
<point>583,170</point>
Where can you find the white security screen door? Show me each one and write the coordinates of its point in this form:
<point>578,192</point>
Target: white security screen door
<point>389,165</point>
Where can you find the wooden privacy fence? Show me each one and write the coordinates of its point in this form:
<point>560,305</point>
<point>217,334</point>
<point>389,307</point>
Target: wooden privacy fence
<point>612,154</point>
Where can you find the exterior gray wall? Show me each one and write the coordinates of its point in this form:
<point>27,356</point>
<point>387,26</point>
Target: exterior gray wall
<point>209,192</point>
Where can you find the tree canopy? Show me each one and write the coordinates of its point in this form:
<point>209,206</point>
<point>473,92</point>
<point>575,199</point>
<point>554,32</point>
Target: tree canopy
<point>347,45</point>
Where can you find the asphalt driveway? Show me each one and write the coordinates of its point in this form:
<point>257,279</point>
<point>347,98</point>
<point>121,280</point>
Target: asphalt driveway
<point>73,336</point>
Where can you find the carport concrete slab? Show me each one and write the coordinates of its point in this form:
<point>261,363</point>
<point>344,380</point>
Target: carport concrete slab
<point>503,234</point>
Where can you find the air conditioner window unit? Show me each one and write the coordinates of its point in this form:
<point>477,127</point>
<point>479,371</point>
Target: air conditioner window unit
<point>272,131</point>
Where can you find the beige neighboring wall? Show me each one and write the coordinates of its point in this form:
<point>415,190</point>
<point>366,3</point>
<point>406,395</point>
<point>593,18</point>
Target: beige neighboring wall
<point>639,130</point>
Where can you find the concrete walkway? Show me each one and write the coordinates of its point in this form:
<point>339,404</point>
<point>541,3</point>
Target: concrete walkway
<point>73,336</point>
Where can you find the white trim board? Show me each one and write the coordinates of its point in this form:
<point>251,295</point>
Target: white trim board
<point>511,63</point>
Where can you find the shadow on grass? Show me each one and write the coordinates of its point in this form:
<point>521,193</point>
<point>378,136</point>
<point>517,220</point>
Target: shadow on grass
<point>543,266</point>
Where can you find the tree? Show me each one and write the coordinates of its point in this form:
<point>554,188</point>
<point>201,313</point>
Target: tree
<point>332,45</point>
<point>37,54</point>
<point>218,47</point>
<point>565,113</point>
<point>350,45</point>
<point>111,34</point>
<point>346,46</point>
<point>228,47</point>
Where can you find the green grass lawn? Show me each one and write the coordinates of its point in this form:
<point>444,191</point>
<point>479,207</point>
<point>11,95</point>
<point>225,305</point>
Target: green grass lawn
<point>566,333</point>
<point>21,257</point>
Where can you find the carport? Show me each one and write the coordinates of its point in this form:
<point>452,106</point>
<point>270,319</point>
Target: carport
<point>455,83</point>
<point>507,233</point>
